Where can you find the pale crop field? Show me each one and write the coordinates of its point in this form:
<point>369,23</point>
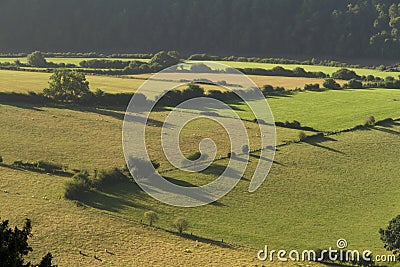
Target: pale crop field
<point>67,60</point>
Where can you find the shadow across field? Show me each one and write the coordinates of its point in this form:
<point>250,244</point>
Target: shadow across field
<point>203,197</point>
<point>113,198</point>
<point>201,239</point>
<point>266,159</point>
<point>318,139</point>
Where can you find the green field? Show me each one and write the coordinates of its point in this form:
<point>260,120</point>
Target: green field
<point>90,138</point>
<point>328,110</point>
<point>339,186</point>
<point>64,229</point>
<point>331,185</point>
<point>325,69</point>
<point>333,110</point>
<point>316,193</point>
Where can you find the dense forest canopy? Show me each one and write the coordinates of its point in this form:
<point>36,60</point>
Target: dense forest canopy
<point>342,28</point>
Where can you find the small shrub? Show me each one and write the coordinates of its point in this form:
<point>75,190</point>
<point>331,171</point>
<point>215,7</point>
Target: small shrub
<point>354,84</point>
<point>231,155</point>
<point>83,176</point>
<point>390,236</point>
<point>1,159</point>
<point>194,156</point>
<point>180,224</point>
<point>108,177</point>
<point>302,136</point>
<point>345,74</point>
<point>331,84</point>
<point>49,166</point>
<point>74,188</point>
<point>370,121</point>
<point>151,217</point>
<point>311,87</point>
<point>294,124</point>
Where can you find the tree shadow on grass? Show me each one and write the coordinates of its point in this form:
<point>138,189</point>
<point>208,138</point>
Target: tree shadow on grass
<point>22,106</point>
<point>116,112</point>
<point>121,115</point>
<point>204,197</point>
<point>266,159</point>
<point>317,140</point>
<point>218,170</point>
<point>113,198</point>
<point>201,239</point>
<point>386,130</point>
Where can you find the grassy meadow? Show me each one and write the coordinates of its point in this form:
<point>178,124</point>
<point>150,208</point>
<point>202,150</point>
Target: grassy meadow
<point>91,138</point>
<point>333,110</point>
<point>316,193</point>
<point>65,229</point>
<point>325,69</point>
<point>334,185</point>
<point>342,185</point>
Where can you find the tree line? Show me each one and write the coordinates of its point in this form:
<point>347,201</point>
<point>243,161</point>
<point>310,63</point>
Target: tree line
<point>358,28</point>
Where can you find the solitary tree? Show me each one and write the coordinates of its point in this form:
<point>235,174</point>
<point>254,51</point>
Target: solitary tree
<point>181,224</point>
<point>37,59</point>
<point>151,217</point>
<point>391,236</point>
<point>302,136</point>
<point>370,121</point>
<point>67,86</point>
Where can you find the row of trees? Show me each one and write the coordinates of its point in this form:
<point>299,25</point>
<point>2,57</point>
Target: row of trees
<point>179,223</point>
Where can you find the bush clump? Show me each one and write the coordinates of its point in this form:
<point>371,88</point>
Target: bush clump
<point>49,166</point>
<point>108,177</point>
<point>231,155</point>
<point>80,183</point>
<point>354,84</point>
<point>345,74</point>
<point>311,87</point>
<point>331,84</point>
